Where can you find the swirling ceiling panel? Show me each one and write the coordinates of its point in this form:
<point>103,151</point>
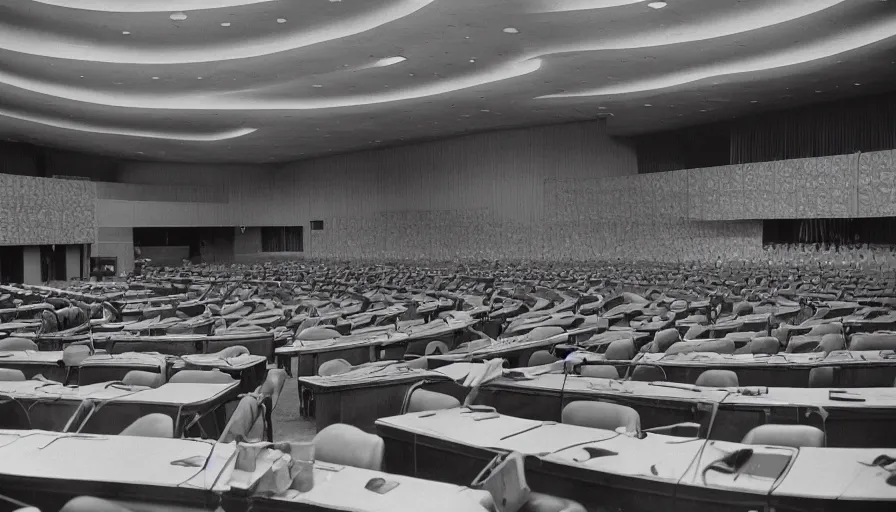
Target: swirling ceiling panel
<point>326,76</point>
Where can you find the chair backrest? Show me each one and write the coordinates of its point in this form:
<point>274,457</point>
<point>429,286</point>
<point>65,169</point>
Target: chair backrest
<point>16,344</point>
<point>436,347</point>
<point>234,351</point>
<point>334,367</point>
<point>74,355</point>
<point>201,377</point>
<point>793,436</point>
<point>546,503</point>
<point>718,379</point>
<point>645,373</point>
<point>151,425</point>
<point>141,378</point>
<point>620,350</point>
<point>540,357</point>
<point>821,377</point>
<point>91,504</point>
<point>765,345</point>
<point>603,371</point>
<point>10,375</point>
<point>831,342</point>
<point>245,423</point>
<point>664,339</point>
<point>349,446</point>
<point>423,400</point>
<point>273,385</point>
<point>828,328</point>
<point>601,415</point>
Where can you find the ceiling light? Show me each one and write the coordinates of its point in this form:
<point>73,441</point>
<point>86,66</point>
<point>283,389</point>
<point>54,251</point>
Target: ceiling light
<point>657,5</point>
<point>857,83</point>
<point>125,33</point>
<point>155,78</point>
<point>648,105</point>
<point>511,30</point>
<point>388,61</point>
<point>225,24</point>
<point>198,78</point>
<point>317,86</point>
<point>755,101</point>
<point>281,20</point>
<point>472,60</point>
<point>178,16</point>
<point>702,110</point>
<point>817,91</point>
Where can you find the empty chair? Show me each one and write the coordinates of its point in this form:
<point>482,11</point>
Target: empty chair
<point>829,328</point>
<point>201,377</point>
<point>349,446</point>
<point>151,425</point>
<point>423,400</point>
<point>765,345</point>
<point>91,504</point>
<point>17,344</point>
<point>646,373</point>
<point>873,341</point>
<point>541,357</point>
<point>74,355</point>
<point>803,343</point>
<point>793,436</point>
<point>620,350</point>
<point>246,423</point>
<point>742,309</point>
<point>436,348</point>
<point>665,339</point>
<point>546,503</point>
<point>334,367</point>
<point>140,378</point>
<point>601,415</point>
<point>831,342</point>
<point>602,371</point>
<point>821,377</point>
<point>10,375</point>
<point>718,379</point>
<point>234,351</point>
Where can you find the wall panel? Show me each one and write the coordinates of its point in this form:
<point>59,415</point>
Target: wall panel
<point>44,211</point>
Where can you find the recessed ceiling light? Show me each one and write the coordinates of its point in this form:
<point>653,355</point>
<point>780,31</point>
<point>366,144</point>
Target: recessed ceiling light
<point>755,101</point>
<point>817,91</point>
<point>125,33</point>
<point>702,110</point>
<point>178,16</point>
<point>657,5</point>
<point>389,61</point>
<point>857,83</point>
<point>155,78</point>
<point>198,78</point>
<point>466,37</point>
<point>648,105</point>
<point>82,76</point>
<point>225,24</point>
<point>511,30</point>
<point>317,86</point>
<point>601,108</point>
<point>410,74</point>
<point>485,110</point>
<point>472,60</point>
<point>281,20</point>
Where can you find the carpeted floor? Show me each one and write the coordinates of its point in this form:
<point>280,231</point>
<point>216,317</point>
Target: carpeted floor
<point>288,424</point>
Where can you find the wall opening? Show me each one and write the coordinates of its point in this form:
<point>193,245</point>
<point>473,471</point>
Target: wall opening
<point>844,231</point>
<point>282,239</point>
<point>11,265</point>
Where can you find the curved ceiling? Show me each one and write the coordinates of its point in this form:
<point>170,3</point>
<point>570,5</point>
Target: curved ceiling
<point>277,80</point>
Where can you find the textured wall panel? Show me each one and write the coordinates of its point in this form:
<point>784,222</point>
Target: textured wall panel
<point>43,211</point>
<point>877,184</point>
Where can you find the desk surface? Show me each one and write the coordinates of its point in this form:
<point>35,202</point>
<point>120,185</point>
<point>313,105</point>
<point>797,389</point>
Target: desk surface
<point>185,394</point>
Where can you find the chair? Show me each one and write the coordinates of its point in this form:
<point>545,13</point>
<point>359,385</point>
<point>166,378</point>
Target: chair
<point>821,377</point>
<point>151,425</point>
<point>349,446</point>
<point>17,344</point>
<point>601,415</point>
<point>422,400</point>
<point>10,375</point>
<point>541,357</point>
<point>334,367</point>
<point>742,309</point>
<point>665,339</point>
<point>201,377</point>
<point>546,503</point>
<point>718,379</point>
<point>645,373</point>
<point>831,342</point>
<point>74,355</point>
<point>234,351</point>
<point>620,350</point>
<point>601,371</point>
<point>793,436</point>
<point>436,348</point>
<point>141,378</point>
<point>90,504</point>
<point>244,424</point>
<point>765,345</point>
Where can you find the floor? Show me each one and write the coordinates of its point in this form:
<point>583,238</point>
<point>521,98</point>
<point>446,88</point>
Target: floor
<point>288,424</point>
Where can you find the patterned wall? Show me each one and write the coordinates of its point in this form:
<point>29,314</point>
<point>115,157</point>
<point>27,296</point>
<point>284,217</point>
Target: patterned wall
<point>44,211</point>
